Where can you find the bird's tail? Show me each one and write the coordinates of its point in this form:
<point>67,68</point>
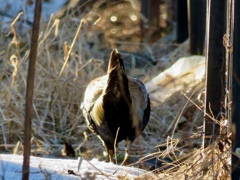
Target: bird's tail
<point>115,61</point>
<point>117,84</point>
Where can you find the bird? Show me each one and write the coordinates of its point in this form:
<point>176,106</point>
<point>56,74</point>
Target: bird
<point>116,107</point>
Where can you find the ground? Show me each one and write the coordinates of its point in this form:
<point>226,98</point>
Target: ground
<point>57,117</point>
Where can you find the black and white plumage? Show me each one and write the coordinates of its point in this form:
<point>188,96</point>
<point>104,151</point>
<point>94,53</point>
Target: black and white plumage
<point>116,101</point>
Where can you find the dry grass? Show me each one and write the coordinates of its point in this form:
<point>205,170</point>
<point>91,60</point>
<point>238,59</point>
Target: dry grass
<point>57,97</point>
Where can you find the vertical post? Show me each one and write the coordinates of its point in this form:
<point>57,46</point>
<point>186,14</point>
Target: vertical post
<point>215,65</point>
<point>197,25</point>
<point>236,92</point>
<point>30,89</point>
<point>181,20</point>
<point>150,10</point>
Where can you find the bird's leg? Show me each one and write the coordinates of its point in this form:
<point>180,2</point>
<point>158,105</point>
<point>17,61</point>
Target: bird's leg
<point>109,150</point>
<point>110,154</point>
<point>126,158</point>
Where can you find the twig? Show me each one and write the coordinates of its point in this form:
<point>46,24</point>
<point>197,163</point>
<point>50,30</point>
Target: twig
<point>15,37</point>
<point>69,54</point>
<point>13,55</point>
<point>115,145</point>
<point>102,173</point>
<point>30,89</point>
<point>66,60</point>
<point>212,118</point>
<point>80,160</point>
<point>70,51</point>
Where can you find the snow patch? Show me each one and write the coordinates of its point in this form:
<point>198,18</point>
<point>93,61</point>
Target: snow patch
<point>52,168</point>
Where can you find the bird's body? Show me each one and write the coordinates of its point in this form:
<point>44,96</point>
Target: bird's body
<point>116,103</point>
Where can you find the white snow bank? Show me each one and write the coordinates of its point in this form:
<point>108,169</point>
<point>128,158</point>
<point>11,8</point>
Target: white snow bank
<point>42,168</point>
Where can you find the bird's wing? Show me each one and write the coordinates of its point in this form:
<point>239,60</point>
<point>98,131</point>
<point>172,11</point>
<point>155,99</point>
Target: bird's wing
<point>138,92</point>
<point>93,92</point>
<point>141,103</point>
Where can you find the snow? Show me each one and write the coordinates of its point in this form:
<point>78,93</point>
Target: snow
<point>52,168</point>
<point>9,9</point>
<point>12,8</point>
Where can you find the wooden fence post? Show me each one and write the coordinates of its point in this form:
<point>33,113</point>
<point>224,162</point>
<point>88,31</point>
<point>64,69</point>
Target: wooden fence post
<point>236,92</point>
<point>197,25</point>
<point>150,10</point>
<point>215,67</point>
<point>181,20</point>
